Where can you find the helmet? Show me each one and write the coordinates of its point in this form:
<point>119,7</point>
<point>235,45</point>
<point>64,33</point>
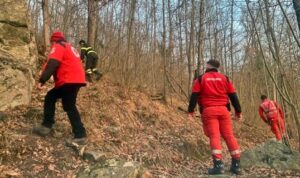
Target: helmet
<point>81,42</point>
<point>57,35</point>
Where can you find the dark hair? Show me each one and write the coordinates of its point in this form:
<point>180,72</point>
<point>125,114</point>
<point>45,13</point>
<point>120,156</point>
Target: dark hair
<point>214,63</point>
<point>262,97</point>
<point>81,42</point>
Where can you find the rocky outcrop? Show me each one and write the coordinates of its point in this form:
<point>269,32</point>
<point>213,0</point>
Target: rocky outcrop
<point>115,169</point>
<point>104,167</point>
<point>18,54</point>
<point>271,155</point>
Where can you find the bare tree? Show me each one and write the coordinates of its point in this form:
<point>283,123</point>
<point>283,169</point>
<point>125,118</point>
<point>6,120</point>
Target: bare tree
<point>296,4</point>
<point>164,55</point>
<point>201,34</point>
<point>231,38</point>
<point>92,21</point>
<point>46,29</point>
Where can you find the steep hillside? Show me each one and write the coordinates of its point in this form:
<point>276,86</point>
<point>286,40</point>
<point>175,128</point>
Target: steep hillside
<point>122,124</point>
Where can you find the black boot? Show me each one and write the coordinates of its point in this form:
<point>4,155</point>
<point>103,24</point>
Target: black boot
<point>98,75</point>
<point>236,166</point>
<point>88,78</point>
<point>218,167</point>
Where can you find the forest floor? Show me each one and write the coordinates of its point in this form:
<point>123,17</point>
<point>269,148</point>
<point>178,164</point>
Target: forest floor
<point>123,124</point>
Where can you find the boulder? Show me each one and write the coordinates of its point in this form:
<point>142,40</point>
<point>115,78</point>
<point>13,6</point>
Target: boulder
<point>92,155</point>
<point>115,169</point>
<point>18,54</point>
<point>271,154</point>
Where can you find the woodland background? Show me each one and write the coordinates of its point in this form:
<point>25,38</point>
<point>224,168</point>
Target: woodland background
<point>159,46</point>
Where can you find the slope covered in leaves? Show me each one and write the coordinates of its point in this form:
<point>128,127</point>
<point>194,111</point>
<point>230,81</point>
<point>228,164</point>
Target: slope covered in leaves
<point>122,124</point>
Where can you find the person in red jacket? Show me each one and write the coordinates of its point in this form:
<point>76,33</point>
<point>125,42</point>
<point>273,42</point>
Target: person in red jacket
<point>212,91</point>
<point>65,65</point>
<point>271,113</point>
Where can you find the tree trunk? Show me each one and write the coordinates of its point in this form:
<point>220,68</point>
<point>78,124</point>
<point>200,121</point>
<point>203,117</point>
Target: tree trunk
<point>129,35</point>
<point>171,40</point>
<point>231,38</point>
<point>190,46</point>
<point>92,21</point>
<point>200,60</point>
<point>164,53</point>
<point>45,7</point>
<point>153,30</point>
<point>296,4</point>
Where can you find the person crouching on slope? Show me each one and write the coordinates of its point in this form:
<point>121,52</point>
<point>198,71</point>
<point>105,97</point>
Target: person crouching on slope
<point>271,113</point>
<point>65,65</point>
<point>212,90</point>
<point>91,57</point>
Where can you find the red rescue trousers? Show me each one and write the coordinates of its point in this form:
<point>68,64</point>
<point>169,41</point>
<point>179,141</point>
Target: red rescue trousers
<point>277,127</point>
<point>216,123</point>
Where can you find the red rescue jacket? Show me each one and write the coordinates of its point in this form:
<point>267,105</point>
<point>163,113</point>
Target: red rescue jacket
<point>270,109</point>
<point>214,89</point>
<point>70,70</point>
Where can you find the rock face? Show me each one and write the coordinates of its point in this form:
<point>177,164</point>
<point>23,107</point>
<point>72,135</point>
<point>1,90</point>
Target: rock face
<point>104,167</point>
<point>271,155</point>
<point>115,169</point>
<point>18,54</point>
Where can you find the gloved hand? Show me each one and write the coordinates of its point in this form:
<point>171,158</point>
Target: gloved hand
<point>191,115</point>
<point>238,116</point>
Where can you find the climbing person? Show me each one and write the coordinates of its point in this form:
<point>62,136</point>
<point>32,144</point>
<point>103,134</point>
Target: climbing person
<point>91,58</point>
<point>212,90</point>
<point>271,113</point>
<point>64,64</point>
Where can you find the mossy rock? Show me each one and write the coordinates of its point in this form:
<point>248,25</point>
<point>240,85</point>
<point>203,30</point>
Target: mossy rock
<point>271,155</point>
<point>113,169</point>
<point>14,36</point>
